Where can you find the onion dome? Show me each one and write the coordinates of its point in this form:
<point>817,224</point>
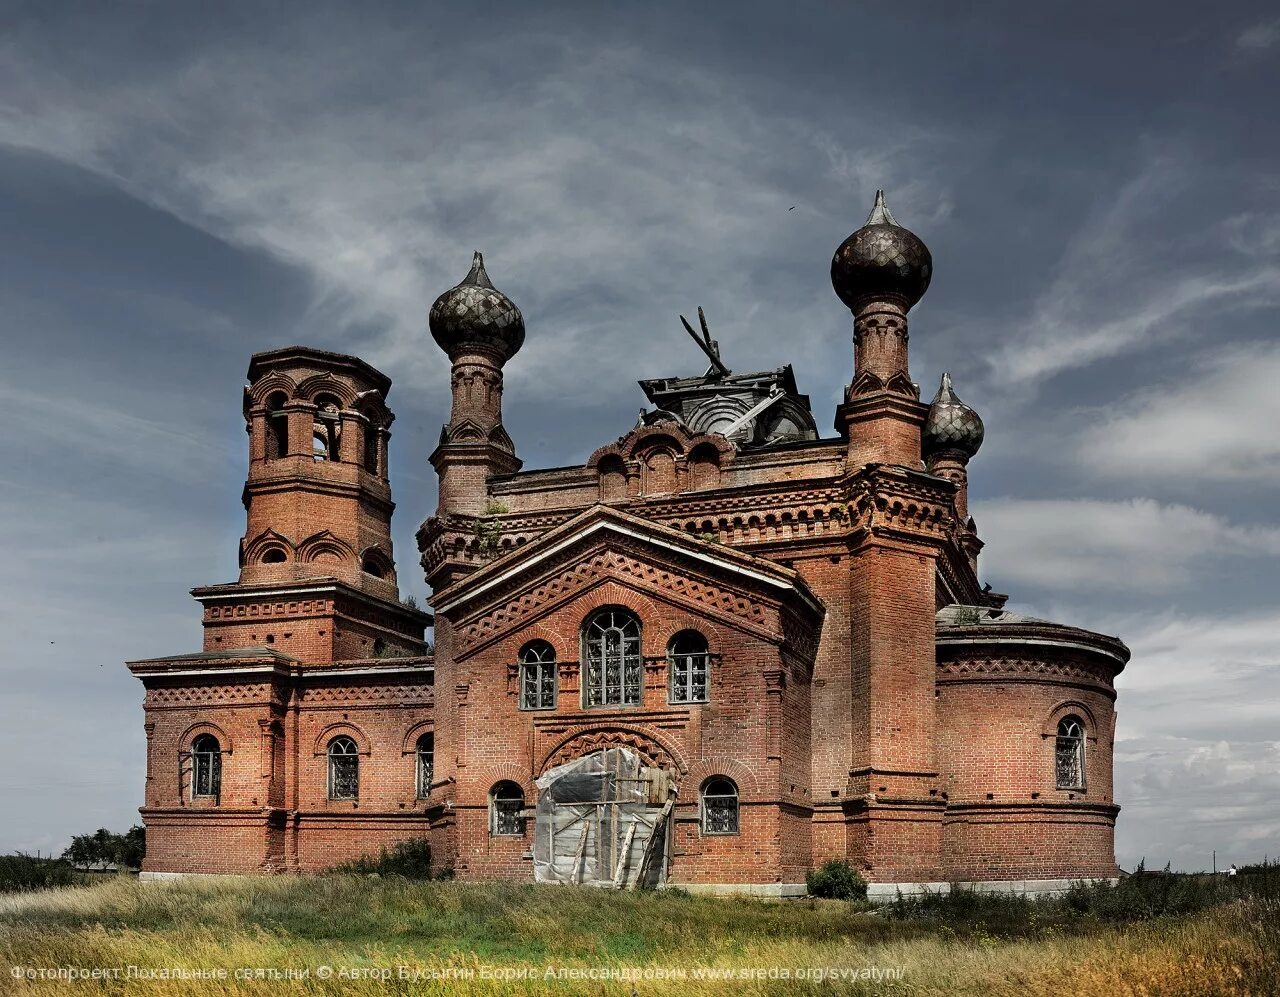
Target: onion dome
<point>476,314</point>
<point>951,424</point>
<point>881,260</point>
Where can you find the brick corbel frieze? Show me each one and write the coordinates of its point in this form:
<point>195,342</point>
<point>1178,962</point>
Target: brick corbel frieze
<point>894,503</point>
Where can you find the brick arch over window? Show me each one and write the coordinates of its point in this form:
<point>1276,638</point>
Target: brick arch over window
<point>266,542</point>
<point>205,727</point>
<point>479,784</point>
<point>338,730</point>
<point>1066,708</point>
<point>257,395</point>
<point>652,749</point>
<point>665,629</point>
<point>409,745</point>
<point>323,544</point>
<point>327,384</point>
<point>729,768</point>
<point>612,593</point>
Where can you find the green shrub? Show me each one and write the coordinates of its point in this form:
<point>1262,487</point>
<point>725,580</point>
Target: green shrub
<point>837,881</point>
<point>20,873</point>
<point>409,859</point>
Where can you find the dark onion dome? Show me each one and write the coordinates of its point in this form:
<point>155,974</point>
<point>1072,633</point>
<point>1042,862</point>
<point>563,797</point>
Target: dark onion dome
<point>882,259</point>
<point>951,424</point>
<point>475,313</point>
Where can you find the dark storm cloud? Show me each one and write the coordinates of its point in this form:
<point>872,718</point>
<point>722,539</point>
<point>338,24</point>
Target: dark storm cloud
<point>180,190</point>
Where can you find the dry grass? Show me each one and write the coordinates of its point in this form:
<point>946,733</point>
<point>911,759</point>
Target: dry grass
<point>303,924</point>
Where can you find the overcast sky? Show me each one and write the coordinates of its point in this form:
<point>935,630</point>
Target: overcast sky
<point>1098,184</point>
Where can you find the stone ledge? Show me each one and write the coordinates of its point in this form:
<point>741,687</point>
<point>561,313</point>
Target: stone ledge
<point>1022,887</point>
<point>768,891</point>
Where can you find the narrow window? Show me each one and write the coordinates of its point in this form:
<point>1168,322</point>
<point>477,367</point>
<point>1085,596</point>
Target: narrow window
<point>506,810</point>
<point>537,676</point>
<point>371,449</point>
<point>277,441</point>
<point>426,764</point>
<point>1069,754</point>
<point>206,766</point>
<point>319,447</point>
<point>719,807</point>
<point>344,769</point>
<point>688,661</point>
<point>611,648</point>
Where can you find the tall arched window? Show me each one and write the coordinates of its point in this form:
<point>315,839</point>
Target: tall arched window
<point>344,769</point>
<point>688,661</point>
<point>719,806</point>
<point>371,462</point>
<point>1069,754</point>
<point>426,764</point>
<point>611,650</point>
<point>206,766</point>
<point>277,427</point>
<point>506,809</point>
<point>537,676</point>
<point>319,446</point>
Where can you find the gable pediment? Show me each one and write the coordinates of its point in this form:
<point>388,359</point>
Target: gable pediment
<point>604,546</point>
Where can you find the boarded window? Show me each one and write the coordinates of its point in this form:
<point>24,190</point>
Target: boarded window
<point>537,676</point>
<point>611,649</point>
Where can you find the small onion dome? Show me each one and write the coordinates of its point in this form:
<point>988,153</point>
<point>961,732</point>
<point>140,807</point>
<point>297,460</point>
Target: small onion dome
<point>477,314</point>
<point>951,424</point>
<point>882,259</point>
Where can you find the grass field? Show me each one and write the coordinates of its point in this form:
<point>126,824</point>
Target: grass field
<point>373,927</point>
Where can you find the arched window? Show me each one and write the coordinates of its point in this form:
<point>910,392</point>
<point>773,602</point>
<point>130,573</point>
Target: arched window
<point>274,555</point>
<point>277,441</point>
<point>506,810</point>
<point>426,764</point>
<point>206,766</point>
<point>537,676</point>
<point>611,649</point>
<point>719,806</point>
<point>344,769</point>
<point>371,463</point>
<point>689,664</point>
<point>373,563</point>
<point>1069,754</point>
<point>319,446</point>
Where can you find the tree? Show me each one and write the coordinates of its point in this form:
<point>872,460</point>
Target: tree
<point>106,847</point>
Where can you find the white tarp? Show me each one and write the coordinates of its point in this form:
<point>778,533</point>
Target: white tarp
<point>601,820</point>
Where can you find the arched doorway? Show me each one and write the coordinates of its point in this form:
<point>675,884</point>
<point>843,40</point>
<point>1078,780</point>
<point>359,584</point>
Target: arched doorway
<point>604,820</point>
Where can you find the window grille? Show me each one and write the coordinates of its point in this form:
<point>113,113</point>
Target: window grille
<point>537,676</point>
<point>426,764</point>
<point>615,670</point>
<point>690,667</point>
<point>344,769</point>
<point>506,810</point>
<point>720,807</point>
<point>1069,754</point>
<point>206,766</point>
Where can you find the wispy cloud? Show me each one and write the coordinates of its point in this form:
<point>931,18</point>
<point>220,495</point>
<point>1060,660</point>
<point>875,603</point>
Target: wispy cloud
<point>1259,37</point>
<point>1121,286</point>
<point>1136,545</point>
<point>1217,422</point>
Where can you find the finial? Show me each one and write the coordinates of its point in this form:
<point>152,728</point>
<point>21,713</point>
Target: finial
<point>476,276</point>
<point>880,213</point>
<point>946,393</point>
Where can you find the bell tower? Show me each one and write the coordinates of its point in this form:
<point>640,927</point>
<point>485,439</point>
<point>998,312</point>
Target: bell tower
<point>893,803</point>
<point>317,541</point>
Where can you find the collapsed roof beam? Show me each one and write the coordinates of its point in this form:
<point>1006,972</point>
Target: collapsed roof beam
<point>705,343</point>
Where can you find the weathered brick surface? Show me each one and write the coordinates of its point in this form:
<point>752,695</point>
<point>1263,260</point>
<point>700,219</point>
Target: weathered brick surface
<point>852,727</point>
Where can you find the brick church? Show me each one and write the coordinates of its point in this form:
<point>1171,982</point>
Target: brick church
<point>722,650</point>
